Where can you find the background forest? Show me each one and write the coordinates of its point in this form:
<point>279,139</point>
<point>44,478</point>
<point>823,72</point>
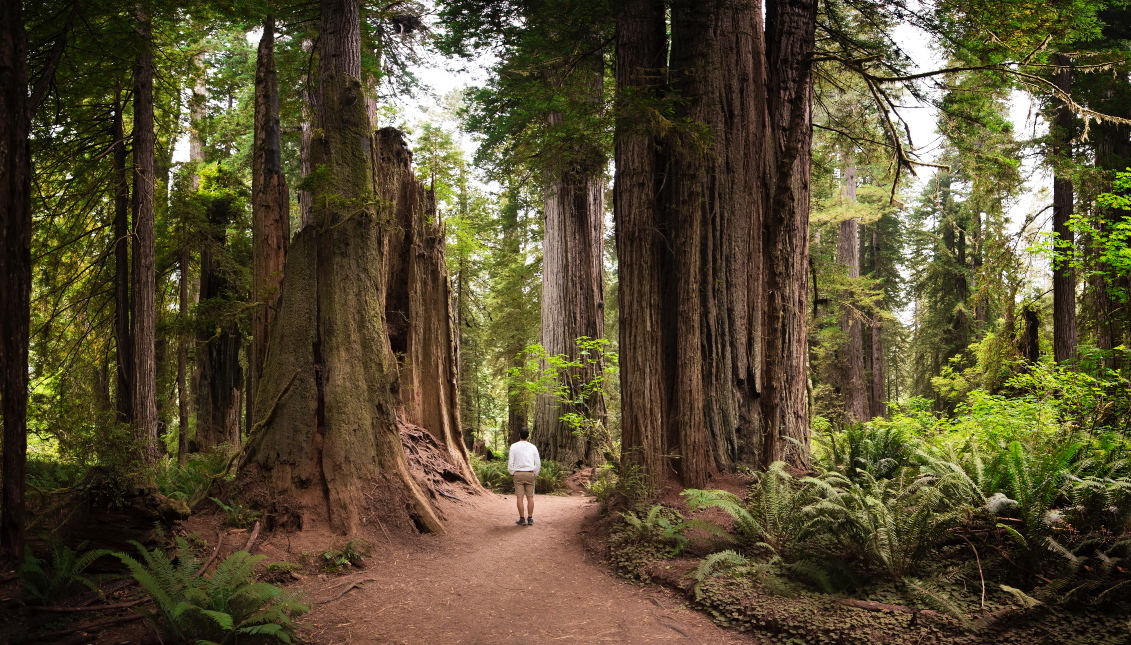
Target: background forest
<point>918,341</point>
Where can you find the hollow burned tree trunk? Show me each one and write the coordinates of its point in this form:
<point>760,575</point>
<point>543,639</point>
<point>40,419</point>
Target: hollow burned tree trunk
<point>326,447</point>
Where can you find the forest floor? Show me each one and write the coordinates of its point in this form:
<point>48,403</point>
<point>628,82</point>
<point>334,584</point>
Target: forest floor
<point>489,580</point>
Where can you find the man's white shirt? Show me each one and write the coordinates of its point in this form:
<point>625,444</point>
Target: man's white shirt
<point>524,456</point>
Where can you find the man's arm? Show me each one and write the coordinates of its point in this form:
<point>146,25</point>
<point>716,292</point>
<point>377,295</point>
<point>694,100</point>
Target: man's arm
<point>537,462</point>
<point>510,461</point>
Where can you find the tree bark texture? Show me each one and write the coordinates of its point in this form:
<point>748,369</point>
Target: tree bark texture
<point>879,402</point>
<point>852,387</point>
<point>15,272</point>
<point>123,338</point>
<point>270,209</point>
<point>1063,275</point>
<point>691,226</point>
<point>641,61</point>
<point>329,412</point>
<point>418,308</point>
<point>221,377</point>
<point>573,299</point>
<point>143,313</point>
<point>309,103</point>
<point>790,34</point>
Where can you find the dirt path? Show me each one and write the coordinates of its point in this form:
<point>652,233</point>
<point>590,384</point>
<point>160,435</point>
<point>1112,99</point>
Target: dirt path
<point>491,581</point>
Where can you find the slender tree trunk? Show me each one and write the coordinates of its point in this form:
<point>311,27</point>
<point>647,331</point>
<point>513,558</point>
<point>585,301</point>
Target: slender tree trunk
<point>125,373</point>
<point>270,209</point>
<point>879,398</point>
<point>220,341</point>
<point>309,109</point>
<point>143,310</point>
<point>182,358</point>
<point>15,272</point>
<point>852,353</point>
<point>641,60</point>
<point>198,112</point>
<point>1030,334</point>
<point>330,403</point>
<point>1063,275</point>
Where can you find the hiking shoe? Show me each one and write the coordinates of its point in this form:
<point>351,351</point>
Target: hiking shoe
<point>521,522</point>
<point>530,521</point>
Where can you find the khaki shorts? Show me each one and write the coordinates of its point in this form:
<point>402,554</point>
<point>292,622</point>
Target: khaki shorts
<point>524,483</point>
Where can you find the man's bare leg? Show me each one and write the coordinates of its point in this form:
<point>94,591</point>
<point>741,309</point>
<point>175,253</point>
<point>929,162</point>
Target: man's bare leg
<point>519,499</point>
<point>529,505</point>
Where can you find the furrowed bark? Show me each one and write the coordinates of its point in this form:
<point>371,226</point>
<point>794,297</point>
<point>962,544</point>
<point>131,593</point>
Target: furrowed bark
<point>852,353</point>
<point>879,391</point>
<point>573,289</point>
<point>641,53</point>
<point>329,397</point>
<point>1063,275</point>
<point>125,373</point>
<point>270,209</point>
<point>790,32</point>
<point>143,312</point>
<point>15,272</point>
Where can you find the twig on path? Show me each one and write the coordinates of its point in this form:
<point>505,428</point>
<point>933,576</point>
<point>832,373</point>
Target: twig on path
<point>219,541</point>
<point>980,576</point>
<point>65,610</point>
<point>254,535</point>
<point>356,584</point>
<point>674,628</point>
<point>89,626</point>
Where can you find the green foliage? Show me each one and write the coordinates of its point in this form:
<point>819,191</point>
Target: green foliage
<point>878,449</point>
<point>192,482</point>
<point>603,486</point>
<point>663,525</point>
<point>771,518</point>
<point>494,475</point>
<point>353,553</point>
<point>48,581</point>
<point>226,607</point>
<point>237,515</point>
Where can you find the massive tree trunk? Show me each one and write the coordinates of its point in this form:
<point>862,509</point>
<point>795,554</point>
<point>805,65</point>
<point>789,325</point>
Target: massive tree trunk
<point>573,290</point>
<point>852,353</point>
<point>144,309</point>
<point>220,340</point>
<point>122,336</point>
<point>879,360</point>
<point>15,272</point>
<point>270,209</point>
<point>790,34</point>
<point>329,403</point>
<point>1063,275</point>
<point>641,61</point>
<point>691,262</point>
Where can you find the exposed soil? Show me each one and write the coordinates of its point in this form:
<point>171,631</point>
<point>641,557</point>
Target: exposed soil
<point>487,580</point>
<point>491,581</point>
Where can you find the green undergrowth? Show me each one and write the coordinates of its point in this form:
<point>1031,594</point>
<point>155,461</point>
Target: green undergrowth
<point>493,474</point>
<point>1010,523</point>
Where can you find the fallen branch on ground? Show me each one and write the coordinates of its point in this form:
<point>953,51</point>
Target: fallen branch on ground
<point>89,626</point>
<point>870,605</point>
<point>356,584</point>
<point>65,610</point>
<point>219,541</point>
<point>251,540</point>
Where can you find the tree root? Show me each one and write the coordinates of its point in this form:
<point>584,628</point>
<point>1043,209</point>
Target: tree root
<point>356,584</point>
<point>870,605</point>
<point>254,535</point>
<point>89,626</point>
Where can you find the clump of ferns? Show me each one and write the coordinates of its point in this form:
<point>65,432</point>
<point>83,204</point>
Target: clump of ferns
<point>666,526</point>
<point>879,449</point>
<point>1089,575</point>
<point>770,519</point>
<point>891,525</point>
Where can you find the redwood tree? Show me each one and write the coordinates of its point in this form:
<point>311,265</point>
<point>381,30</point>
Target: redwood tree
<point>15,271</point>
<point>852,352</point>
<point>143,312</point>
<point>329,410</point>
<point>1063,275</point>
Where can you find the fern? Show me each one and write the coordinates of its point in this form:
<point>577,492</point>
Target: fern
<point>765,574</point>
<point>48,582</point>
<point>222,608</point>
<point>923,593</point>
<point>666,526</point>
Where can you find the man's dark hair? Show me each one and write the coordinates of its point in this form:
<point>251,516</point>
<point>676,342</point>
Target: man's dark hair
<point>523,434</point>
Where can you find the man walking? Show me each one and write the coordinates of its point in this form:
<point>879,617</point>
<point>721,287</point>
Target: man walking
<point>524,465</point>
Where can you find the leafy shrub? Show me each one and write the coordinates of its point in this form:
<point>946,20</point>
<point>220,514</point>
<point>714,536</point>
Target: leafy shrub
<point>45,582</point>
<point>236,515</point>
<point>771,517</point>
<point>667,526</point>
<point>603,486</point>
<point>51,474</point>
<point>494,475</point>
<point>352,554</point>
<point>222,608</point>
